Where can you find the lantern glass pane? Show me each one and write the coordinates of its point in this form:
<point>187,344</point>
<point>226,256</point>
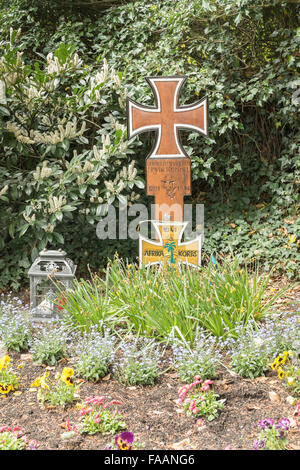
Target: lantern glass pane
<point>46,295</point>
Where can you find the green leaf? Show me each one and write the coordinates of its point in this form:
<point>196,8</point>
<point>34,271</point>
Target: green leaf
<point>23,229</point>
<point>4,111</point>
<point>122,199</point>
<point>58,237</point>
<point>68,208</point>
<point>140,184</point>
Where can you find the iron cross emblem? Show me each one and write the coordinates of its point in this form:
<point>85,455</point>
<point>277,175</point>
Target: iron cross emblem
<point>169,250</point>
<point>168,167</point>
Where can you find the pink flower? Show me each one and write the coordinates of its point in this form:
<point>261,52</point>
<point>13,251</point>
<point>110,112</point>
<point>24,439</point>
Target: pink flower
<point>200,422</point>
<point>198,378</point>
<point>113,402</point>
<point>88,400</point>
<point>5,428</point>
<point>192,405</point>
<point>85,411</point>
<point>195,410</point>
<point>98,400</point>
<point>205,387</point>
<point>228,447</point>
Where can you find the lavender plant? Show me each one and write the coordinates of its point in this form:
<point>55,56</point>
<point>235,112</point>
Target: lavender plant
<point>50,344</point>
<point>249,352</point>
<point>139,363</point>
<point>281,334</point>
<point>15,326</point>
<point>253,347</point>
<point>95,353</point>
<point>199,360</point>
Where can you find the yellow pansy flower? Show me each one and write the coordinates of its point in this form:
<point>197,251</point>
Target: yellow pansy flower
<point>280,372</point>
<point>43,381</point>
<point>66,375</point>
<point>36,383</point>
<point>5,389</point>
<point>4,361</point>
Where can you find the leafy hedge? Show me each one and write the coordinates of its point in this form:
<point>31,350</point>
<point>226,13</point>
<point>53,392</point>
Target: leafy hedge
<point>243,54</point>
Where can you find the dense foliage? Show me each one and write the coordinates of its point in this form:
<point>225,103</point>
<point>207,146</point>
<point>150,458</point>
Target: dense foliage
<point>63,138</point>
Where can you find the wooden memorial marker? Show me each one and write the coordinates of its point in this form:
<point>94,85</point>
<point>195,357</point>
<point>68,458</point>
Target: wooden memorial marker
<point>168,168</point>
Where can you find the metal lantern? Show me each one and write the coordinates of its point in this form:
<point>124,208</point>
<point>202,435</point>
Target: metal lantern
<point>49,269</point>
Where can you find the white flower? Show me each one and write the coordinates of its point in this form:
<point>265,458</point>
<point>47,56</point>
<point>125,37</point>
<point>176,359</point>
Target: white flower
<point>3,190</point>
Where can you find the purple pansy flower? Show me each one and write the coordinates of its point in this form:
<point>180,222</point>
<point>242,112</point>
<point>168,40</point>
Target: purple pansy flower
<point>259,444</point>
<point>124,440</point>
<point>285,424</point>
<point>266,423</point>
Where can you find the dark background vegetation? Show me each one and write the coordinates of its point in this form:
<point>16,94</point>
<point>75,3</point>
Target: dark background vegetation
<point>243,54</point>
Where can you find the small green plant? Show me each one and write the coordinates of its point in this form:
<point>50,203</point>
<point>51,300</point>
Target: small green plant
<point>202,402</point>
<point>58,393</point>
<point>249,364</point>
<point>139,364</point>
<point>50,345</point>
<point>272,436</point>
<point>95,352</point>
<point>96,417</point>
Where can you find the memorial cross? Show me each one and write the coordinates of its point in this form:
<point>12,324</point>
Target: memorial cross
<point>168,167</point>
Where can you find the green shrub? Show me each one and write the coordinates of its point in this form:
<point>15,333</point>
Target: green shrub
<point>242,55</point>
<point>66,120</point>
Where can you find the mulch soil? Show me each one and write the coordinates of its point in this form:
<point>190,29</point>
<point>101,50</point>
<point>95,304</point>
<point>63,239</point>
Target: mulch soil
<point>151,413</point>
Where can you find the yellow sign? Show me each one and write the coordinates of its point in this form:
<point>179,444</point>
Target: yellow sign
<point>169,250</point>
